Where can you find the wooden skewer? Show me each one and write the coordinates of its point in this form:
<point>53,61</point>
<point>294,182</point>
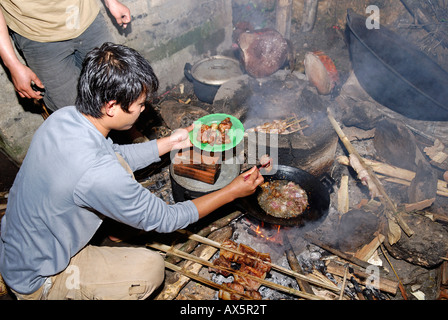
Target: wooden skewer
<point>343,282</point>
<point>264,282</point>
<point>258,167</point>
<point>283,270</point>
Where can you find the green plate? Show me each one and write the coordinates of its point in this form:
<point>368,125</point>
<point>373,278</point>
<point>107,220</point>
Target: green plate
<point>236,132</point>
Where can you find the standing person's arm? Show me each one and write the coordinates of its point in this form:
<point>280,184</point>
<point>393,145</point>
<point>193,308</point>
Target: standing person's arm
<point>21,75</point>
<point>121,13</point>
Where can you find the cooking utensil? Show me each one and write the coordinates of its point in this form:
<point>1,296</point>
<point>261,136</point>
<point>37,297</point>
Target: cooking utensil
<point>207,75</point>
<point>235,133</point>
<point>259,166</point>
<point>318,192</point>
<point>396,73</point>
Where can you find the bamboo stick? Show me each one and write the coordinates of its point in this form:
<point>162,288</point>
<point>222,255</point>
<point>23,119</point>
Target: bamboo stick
<point>273,266</point>
<point>264,282</point>
<point>189,245</point>
<point>391,213</point>
<point>177,283</point>
<point>400,285</point>
<point>341,295</point>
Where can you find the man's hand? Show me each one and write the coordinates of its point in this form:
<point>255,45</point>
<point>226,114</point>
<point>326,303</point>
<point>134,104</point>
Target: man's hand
<point>22,77</point>
<point>238,188</point>
<point>179,139</point>
<point>121,13</point>
<point>246,183</point>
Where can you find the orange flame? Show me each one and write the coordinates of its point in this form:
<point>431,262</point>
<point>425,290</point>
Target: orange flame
<point>267,233</point>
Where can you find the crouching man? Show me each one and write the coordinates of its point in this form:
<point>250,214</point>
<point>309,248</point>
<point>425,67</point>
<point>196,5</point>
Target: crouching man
<point>71,178</point>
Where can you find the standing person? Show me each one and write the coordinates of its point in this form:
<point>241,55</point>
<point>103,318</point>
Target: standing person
<point>54,37</point>
<point>71,179</point>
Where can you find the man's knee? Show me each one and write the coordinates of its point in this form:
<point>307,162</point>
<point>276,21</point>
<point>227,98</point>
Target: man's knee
<point>151,272</point>
<point>152,261</point>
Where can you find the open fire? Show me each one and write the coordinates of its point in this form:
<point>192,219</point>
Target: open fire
<point>271,234</point>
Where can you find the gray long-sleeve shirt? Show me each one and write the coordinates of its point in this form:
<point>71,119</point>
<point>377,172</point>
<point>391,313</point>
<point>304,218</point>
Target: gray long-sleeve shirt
<point>70,169</point>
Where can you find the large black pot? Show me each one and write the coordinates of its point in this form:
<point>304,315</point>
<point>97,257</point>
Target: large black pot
<point>209,74</point>
<point>318,192</point>
<point>396,73</point>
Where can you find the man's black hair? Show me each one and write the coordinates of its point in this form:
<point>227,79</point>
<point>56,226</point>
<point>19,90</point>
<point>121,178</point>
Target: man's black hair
<point>113,72</point>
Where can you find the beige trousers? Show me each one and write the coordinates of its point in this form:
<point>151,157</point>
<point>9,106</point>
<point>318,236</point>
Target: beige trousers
<point>105,273</point>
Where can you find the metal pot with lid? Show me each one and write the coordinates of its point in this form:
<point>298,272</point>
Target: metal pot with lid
<point>209,74</point>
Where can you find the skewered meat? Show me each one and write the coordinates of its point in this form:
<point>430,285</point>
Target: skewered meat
<point>273,127</point>
<point>247,265</point>
<point>221,262</point>
<point>266,162</point>
<point>277,126</point>
<point>282,199</point>
<point>228,254</point>
<point>225,295</point>
<point>249,283</point>
<point>245,256</point>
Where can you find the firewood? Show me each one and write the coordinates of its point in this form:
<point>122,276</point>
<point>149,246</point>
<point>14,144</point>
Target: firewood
<point>295,266</point>
<point>309,15</point>
<point>345,256</point>
<point>397,175</point>
<point>366,252</point>
<point>385,284</point>
<point>408,207</point>
<point>343,199</point>
<point>283,17</point>
<point>395,221</point>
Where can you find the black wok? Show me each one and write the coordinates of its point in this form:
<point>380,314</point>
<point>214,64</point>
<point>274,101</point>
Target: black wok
<point>396,73</point>
<point>317,191</point>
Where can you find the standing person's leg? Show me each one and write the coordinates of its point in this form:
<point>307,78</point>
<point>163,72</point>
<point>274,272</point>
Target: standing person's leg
<point>58,64</point>
<point>54,64</point>
<point>109,273</point>
<point>95,35</point>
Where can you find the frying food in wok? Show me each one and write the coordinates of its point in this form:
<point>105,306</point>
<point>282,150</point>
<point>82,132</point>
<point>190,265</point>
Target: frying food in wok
<point>282,199</point>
